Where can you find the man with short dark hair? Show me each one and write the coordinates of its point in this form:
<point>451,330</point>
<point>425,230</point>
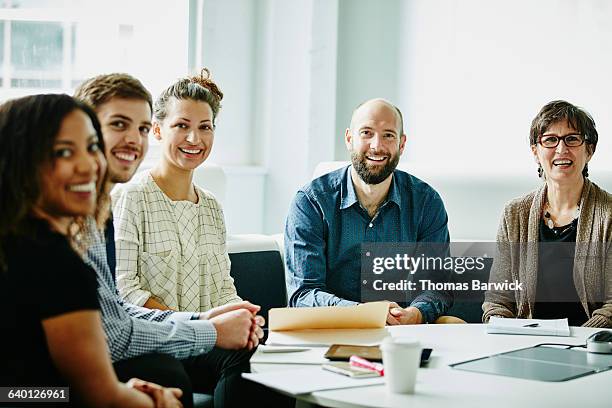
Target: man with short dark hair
<point>368,201</point>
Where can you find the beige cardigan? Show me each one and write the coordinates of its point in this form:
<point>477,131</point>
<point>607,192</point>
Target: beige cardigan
<point>592,274</point>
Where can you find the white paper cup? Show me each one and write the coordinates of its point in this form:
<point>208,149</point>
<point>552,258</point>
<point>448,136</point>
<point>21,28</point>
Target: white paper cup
<point>401,359</point>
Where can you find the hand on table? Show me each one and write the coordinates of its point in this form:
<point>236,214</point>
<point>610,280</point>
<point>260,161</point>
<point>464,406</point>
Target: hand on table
<point>398,315</point>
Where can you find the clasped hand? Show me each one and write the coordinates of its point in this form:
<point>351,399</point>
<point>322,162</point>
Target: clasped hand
<point>238,325</point>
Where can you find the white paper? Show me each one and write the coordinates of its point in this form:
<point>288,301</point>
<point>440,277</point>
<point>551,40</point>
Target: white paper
<point>548,327</point>
<point>313,356</point>
<point>306,380</point>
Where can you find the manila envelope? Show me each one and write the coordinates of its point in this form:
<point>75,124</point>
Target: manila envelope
<point>364,316</point>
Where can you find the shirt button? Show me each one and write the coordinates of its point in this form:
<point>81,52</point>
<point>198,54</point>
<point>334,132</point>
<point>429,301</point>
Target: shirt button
<point>371,225</point>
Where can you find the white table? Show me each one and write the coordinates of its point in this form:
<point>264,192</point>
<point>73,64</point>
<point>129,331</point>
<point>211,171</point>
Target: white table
<point>438,385</point>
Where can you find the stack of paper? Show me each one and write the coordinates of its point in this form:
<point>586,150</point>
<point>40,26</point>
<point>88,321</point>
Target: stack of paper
<point>307,380</point>
<point>536,327</point>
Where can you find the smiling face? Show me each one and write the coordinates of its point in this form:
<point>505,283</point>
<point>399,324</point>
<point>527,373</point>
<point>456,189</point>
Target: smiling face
<point>186,133</point>
<point>375,141</point>
<point>125,128</point>
<point>69,180</point>
<point>562,164</point>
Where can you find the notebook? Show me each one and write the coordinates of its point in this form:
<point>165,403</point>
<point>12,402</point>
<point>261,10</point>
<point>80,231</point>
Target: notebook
<point>535,327</point>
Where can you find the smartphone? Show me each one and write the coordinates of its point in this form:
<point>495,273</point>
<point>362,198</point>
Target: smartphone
<point>343,352</point>
<point>347,369</point>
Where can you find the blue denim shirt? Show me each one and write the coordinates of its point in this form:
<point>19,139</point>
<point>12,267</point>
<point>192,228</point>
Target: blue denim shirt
<point>326,226</point>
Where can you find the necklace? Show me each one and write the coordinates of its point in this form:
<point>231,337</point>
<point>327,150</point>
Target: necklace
<point>551,225</point>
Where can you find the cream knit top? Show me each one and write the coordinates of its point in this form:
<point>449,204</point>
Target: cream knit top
<point>173,251</point>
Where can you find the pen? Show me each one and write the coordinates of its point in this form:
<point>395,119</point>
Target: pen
<point>532,325</point>
<point>357,361</point>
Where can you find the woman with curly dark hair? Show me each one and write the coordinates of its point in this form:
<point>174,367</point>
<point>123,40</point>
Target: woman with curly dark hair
<point>52,184</point>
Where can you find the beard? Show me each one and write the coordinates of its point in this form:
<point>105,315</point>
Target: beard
<point>368,173</point>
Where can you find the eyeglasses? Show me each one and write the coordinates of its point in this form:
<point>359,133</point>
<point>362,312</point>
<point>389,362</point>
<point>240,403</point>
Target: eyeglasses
<point>551,141</point>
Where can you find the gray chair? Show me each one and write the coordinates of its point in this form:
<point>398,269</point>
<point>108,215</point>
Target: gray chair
<point>258,271</point>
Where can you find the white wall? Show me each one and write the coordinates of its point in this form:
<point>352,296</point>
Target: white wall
<point>477,72</point>
<point>368,56</point>
<point>298,100</point>
<point>228,50</point>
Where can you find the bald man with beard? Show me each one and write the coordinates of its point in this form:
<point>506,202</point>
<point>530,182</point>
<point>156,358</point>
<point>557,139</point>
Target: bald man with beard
<point>367,201</point>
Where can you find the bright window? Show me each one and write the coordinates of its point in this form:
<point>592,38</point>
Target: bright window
<point>51,46</point>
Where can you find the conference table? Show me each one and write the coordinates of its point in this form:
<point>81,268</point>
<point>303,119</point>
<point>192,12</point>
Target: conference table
<point>439,385</point>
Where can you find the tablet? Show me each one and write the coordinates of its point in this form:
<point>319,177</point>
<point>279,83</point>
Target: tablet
<point>343,352</point>
<point>539,363</point>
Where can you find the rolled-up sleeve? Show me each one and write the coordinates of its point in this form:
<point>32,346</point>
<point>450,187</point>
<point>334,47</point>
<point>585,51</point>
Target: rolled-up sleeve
<point>305,247</point>
<point>181,339</point>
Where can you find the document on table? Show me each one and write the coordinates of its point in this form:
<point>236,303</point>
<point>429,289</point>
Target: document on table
<point>536,327</point>
<point>306,380</point>
<point>364,316</point>
<point>311,356</point>
<point>327,337</point>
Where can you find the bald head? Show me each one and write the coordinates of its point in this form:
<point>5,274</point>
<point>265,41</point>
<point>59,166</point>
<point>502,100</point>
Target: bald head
<point>375,140</point>
<point>372,108</point>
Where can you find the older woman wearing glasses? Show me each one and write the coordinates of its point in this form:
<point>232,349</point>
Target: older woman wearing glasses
<point>556,240</point>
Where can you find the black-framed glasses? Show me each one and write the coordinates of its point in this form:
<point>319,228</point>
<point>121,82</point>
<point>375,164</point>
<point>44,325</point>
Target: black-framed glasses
<point>551,141</point>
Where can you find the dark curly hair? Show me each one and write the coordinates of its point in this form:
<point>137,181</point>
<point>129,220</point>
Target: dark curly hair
<point>28,128</point>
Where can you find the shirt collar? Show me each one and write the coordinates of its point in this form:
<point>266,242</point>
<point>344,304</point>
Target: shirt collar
<point>349,196</point>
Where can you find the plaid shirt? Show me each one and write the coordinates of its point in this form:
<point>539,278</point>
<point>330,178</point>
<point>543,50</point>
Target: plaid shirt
<point>132,330</point>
